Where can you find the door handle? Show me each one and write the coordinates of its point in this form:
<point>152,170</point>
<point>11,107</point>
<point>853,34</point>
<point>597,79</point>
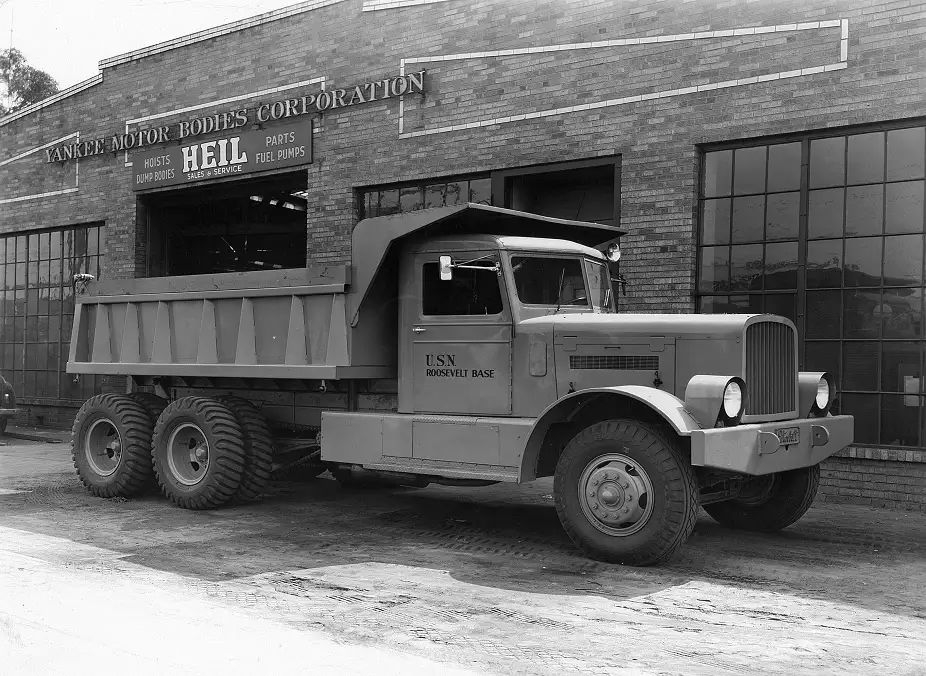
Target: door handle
<point>419,329</point>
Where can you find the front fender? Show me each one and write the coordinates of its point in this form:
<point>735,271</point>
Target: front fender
<point>667,405</point>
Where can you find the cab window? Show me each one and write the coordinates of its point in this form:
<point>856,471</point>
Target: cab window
<point>549,281</point>
<point>470,292</point>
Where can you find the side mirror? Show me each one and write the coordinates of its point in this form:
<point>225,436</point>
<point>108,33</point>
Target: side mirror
<point>446,272</point>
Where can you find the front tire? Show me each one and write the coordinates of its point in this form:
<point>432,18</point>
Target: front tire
<point>198,452</point>
<point>625,494</point>
<point>772,504</point>
<point>111,446</point>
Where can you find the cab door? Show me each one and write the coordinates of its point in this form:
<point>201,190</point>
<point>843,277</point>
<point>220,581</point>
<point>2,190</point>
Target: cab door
<point>460,332</point>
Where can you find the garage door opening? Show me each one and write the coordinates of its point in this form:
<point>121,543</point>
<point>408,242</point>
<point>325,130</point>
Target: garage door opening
<point>236,227</point>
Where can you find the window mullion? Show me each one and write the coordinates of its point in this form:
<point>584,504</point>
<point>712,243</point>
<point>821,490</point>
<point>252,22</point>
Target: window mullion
<point>803,210</point>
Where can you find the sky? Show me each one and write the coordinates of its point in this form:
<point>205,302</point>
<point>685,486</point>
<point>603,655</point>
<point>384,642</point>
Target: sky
<point>68,38</point>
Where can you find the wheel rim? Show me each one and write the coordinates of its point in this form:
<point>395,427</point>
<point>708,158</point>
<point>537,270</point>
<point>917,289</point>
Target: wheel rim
<point>188,454</point>
<point>103,447</point>
<point>615,494</point>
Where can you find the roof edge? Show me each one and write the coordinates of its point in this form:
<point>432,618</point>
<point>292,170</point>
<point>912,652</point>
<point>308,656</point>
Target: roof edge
<point>54,98</point>
<point>217,31</point>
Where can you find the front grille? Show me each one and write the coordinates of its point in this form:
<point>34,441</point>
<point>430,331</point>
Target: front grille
<point>771,370</point>
<point>614,362</point>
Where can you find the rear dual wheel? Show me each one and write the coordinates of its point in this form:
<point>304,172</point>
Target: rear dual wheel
<point>111,446</point>
<point>199,454</point>
<point>258,447</point>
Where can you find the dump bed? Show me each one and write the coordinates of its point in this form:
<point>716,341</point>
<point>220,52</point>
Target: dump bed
<point>265,324</point>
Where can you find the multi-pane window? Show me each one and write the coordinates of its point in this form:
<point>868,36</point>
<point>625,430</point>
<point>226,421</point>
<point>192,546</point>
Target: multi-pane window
<point>396,200</point>
<point>37,309</point>
<point>749,230</point>
<point>829,232</point>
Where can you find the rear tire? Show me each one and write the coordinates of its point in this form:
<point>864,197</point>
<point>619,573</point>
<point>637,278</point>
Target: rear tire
<point>778,506</point>
<point>625,494</point>
<point>152,403</point>
<point>258,447</point>
<point>198,453</point>
<point>111,446</point>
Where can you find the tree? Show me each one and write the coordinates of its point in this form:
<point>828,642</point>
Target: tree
<point>20,83</point>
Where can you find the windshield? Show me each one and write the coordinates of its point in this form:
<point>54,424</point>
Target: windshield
<point>599,282</point>
<point>549,281</point>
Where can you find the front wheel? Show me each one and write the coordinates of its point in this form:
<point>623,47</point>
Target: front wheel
<point>625,494</point>
<point>769,503</point>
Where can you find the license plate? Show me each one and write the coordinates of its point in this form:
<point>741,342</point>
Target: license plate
<point>788,435</point>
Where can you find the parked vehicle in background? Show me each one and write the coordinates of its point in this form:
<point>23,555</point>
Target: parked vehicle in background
<point>7,403</point>
<point>466,345</point>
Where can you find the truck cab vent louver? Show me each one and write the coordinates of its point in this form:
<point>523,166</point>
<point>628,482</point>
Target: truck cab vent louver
<point>614,362</point>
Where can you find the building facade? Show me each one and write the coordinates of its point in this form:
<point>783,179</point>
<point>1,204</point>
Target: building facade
<point>763,156</point>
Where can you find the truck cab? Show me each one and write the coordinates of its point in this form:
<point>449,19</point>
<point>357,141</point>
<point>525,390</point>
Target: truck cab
<point>475,329</point>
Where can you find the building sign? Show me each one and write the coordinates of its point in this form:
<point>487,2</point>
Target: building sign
<point>331,99</point>
<point>236,155</point>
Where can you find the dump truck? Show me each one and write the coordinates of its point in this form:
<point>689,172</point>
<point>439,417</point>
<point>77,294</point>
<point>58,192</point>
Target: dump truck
<point>464,346</point>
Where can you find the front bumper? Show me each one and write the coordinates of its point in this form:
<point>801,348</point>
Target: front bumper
<point>756,449</point>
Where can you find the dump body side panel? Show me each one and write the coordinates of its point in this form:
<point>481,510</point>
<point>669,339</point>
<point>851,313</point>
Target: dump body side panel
<point>271,324</point>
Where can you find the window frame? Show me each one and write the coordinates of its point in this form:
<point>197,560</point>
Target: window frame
<point>579,258</point>
<point>424,261</point>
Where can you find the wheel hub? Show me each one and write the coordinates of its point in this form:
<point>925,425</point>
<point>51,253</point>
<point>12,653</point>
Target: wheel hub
<point>614,493</point>
<point>103,447</point>
<point>188,454</point>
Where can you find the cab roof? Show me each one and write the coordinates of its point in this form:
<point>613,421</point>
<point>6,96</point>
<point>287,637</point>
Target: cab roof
<point>374,238</point>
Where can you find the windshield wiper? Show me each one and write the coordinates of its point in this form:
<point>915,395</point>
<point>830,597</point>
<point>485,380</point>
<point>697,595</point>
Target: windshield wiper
<point>559,291</point>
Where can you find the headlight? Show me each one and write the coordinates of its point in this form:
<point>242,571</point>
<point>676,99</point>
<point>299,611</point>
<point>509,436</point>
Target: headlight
<point>6,397</point>
<point>732,400</point>
<point>817,390</point>
<point>716,401</point>
<point>823,394</point>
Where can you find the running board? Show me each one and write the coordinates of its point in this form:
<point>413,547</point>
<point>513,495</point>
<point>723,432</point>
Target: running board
<point>444,468</point>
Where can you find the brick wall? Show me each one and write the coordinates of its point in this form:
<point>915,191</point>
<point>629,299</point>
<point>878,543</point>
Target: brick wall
<point>880,478</point>
<point>882,80</point>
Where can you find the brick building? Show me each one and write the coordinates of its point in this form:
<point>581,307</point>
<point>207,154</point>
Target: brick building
<point>764,156</point>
